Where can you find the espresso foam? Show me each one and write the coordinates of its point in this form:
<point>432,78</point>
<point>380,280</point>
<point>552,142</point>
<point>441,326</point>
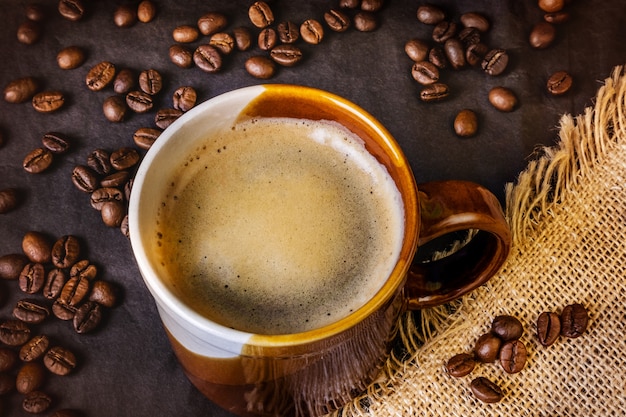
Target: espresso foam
<point>280,226</point>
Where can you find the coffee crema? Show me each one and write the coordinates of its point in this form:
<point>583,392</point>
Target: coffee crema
<point>279,226</point>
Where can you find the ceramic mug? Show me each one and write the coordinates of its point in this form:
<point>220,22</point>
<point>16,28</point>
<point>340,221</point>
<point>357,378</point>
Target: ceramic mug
<point>315,371</point>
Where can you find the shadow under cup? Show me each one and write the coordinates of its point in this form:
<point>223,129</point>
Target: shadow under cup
<point>309,373</point>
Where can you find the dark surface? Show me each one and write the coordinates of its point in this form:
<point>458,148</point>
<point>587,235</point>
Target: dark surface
<point>127,368</point>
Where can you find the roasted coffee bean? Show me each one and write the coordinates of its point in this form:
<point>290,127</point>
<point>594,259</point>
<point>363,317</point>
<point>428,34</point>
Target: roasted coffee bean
<point>32,277</point>
<point>502,99</point>
<point>21,90</point>
<point>30,377</point>
<point>124,227</point>
<point>417,49</point>
<point>29,32</point>
<point>73,10</point>
<point>466,123</point>
<point>100,75</point>
<point>48,101</point>
<point>125,16</point>
<point>312,31</point>
<point>475,54</point>
<point>116,179</point>
<point>261,14</point>
<point>128,188</point>
<point>74,291</point>
<point>486,390</point>
<point>469,36</point>
<point>461,365</point>
<point>181,56</point>
<point>55,142</point>
<point>288,32</point>
<point>103,293</point>
<point>556,17</point>
<point>443,31</point>
<point>104,195</point>
<point>59,360</point>
<point>150,81</point>
<point>267,39</point>
<point>337,20</point>
<point>36,402</point>
<point>124,158</point>
<point>260,67</point>
<point>99,161</point>
<point>437,56</point>
<point>487,348</point>
<point>65,251</point>
<point>14,332</point>
<point>34,348</point>
<point>38,160</point>
<point>548,328</point>
<point>8,359</point>
<point>286,55</point>
<point>559,83</point>
<point>207,58</point>
<point>112,213</point>
<point>495,62</point>
<point>184,99</point>
<point>37,247</point>
<point>425,73</point>
<point>542,35</point>
<point>84,269</point>
<point>507,327</point>
<point>513,356</point>
<point>475,20</point>
<point>349,4</point>
<point>551,6</point>
<point>185,34</point>
<point>372,5</point>
<point>63,311</point>
<point>114,109</point>
<point>211,23</point>
<point>30,311</point>
<point>55,280</point>
<point>11,265</point>
<point>87,317</point>
<point>165,117</point>
<point>243,38</point>
<point>84,178</point>
<point>434,92</point>
<point>223,41</point>
<point>365,21</point>
<point>144,137</point>
<point>574,320</point>
<point>35,12</point>
<point>9,200</point>
<point>139,102</point>
<point>124,81</point>
<point>146,11</point>
<point>455,52</point>
<point>430,15</point>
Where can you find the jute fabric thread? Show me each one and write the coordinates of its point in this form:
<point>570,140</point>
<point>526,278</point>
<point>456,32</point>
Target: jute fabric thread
<point>567,213</point>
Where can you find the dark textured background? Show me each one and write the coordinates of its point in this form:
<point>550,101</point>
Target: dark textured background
<point>127,368</point>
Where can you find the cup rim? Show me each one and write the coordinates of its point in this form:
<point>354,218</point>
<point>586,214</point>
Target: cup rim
<point>163,295</point>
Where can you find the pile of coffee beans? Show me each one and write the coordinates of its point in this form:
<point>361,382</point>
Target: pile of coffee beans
<point>56,281</point>
<point>502,344</point>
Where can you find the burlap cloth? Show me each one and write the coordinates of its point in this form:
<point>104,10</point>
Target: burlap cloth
<point>567,212</point>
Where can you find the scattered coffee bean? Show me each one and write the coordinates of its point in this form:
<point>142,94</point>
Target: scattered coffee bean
<point>11,265</point>
<point>372,5</point>
<point>495,61</point>
<point>430,15</point>
<point>21,90</point>
<point>75,290</point>
<point>103,293</point>
<point>36,402</point>
<point>99,161</point>
<point>417,49</point>
<point>365,21</point>
<point>207,58</point>
<point>475,54</point>
<point>434,92</point>
<point>312,31</point>
<point>150,81</point>
<point>9,200</point>
<point>548,328</point>
<point>146,11</point>
<point>551,6</point>
<point>513,356</point>
<point>223,41</point>
<point>486,390</point>
<point>30,377</point>
<point>100,75</point>
<point>260,14</point>
<point>443,31</point>
<point>116,179</point>
<point>288,32</point>
<point>114,109</point>
<point>63,311</point>
<point>84,179</point>
<point>34,348</point>
<point>502,99</point>
<point>542,35</point>
<point>286,55</point>
<point>475,20</point>
<point>65,251</point>
<point>557,17</point>
<point>84,270</point>
<point>55,280</point>
<point>55,142</point>
<point>145,137</point>
<point>243,39</point>
<point>349,4</point>
<point>37,161</point>
<point>181,56</point>
<point>48,101</point>
<point>507,327</point>
<point>59,361</point>
<point>267,39</point>
<point>32,278</point>
<point>466,123</point>
<point>469,36</point>
<point>87,317</point>
<point>461,365</point>
<point>139,102</point>
<point>14,332</point>
<point>437,56</point>
<point>211,23</point>
<point>30,311</point>
<point>73,10</point>
<point>184,99</point>
<point>487,348</point>
<point>37,247</point>
<point>112,213</point>
<point>425,72</point>
<point>124,158</point>
<point>559,83</point>
<point>29,32</point>
<point>124,227</point>
<point>35,12</point>
<point>185,34</point>
<point>574,320</point>
<point>124,81</point>
<point>125,16</point>
<point>8,359</point>
<point>165,117</point>
<point>455,52</point>
<point>260,67</point>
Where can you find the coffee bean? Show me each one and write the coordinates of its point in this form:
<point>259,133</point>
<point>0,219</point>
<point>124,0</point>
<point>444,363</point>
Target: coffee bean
<point>74,291</point>
<point>84,270</point>
<point>73,10</point>
<point>469,36</point>
<point>37,247</point>
<point>548,328</point>
<point>425,73</point>
<point>9,200</point>
<point>485,390</point>
<point>513,356</point>
<point>475,54</point>
<point>349,4</point>
<point>551,6</point>
<point>36,402</point>
<point>443,31</point>
<point>372,5</point>
<point>243,39</point>
<point>437,56</point>
<point>139,102</point>
<point>63,311</point>
<point>487,348</point>
<point>112,213</point>
<point>100,75</point>
<point>185,34</point>
<point>35,12</point>
<point>466,123</point>
<point>65,251</point>
<point>38,160</point>
<point>542,35</point>
<point>267,39</point>
<point>475,20</point>
<point>116,179</point>
<point>502,99</point>
<point>124,81</point>
<point>55,142</point>
<point>559,83</point>
<point>430,15</point>
<point>84,179</point>
<point>32,278</point>
<point>30,311</point>
<point>461,365</point>
<point>87,317</point>
<point>260,67</point>
<point>365,21</point>
<point>260,14</point>
<point>128,188</point>
<point>59,360</point>
<point>114,109</point>
<point>99,161</point>
<point>184,99</point>
<point>34,348</point>
<point>312,31</point>
<point>223,41</point>
<point>146,11</point>
<point>417,49</point>
<point>11,265</point>
<point>103,293</point>
<point>181,56</point>
<point>150,81</point>
<point>21,90</point>
<point>434,92</point>
<point>574,320</point>
<point>207,58</point>
<point>29,32</point>
<point>55,281</point>
<point>48,101</point>
<point>556,17</point>
<point>286,55</point>
<point>8,359</point>
<point>507,327</point>
<point>288,32</point>
<point>144,137</point>
<point>211,23</point>
<point>125,16</point>
<point>14,332</point>
<point>30,377</point>
<point>104,195</point>
<point>455,52</point>
<point>495,62</point>
<point>124,158</point>
<point>165,117</point>
<point>124,227</point>
<point>337,20</point>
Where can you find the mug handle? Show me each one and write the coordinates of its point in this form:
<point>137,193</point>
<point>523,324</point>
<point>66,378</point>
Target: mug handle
<point>472,218</point>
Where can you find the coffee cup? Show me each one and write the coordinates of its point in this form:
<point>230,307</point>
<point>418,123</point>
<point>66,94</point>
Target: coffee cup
<point>276,227</point>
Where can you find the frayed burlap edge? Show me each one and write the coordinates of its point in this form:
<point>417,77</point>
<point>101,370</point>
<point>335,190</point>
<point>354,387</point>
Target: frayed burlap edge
<point>584,141</point>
